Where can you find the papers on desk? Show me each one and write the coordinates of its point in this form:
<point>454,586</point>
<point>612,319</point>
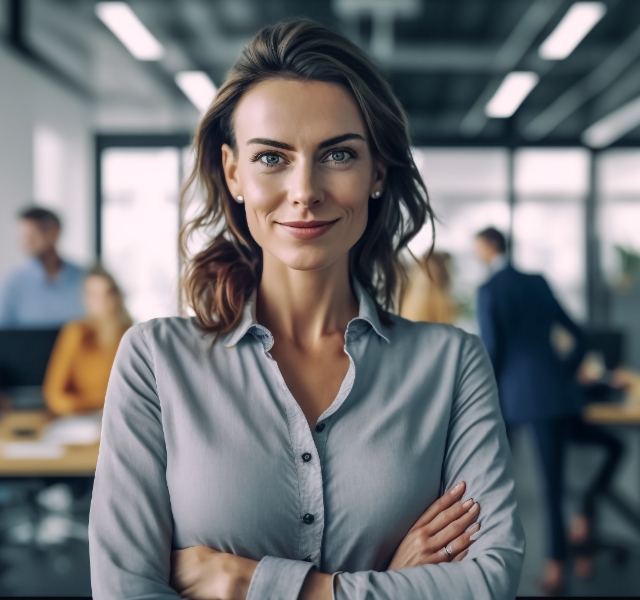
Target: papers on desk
<point>74,431</point>
<point>32,450</point>
<point>77,431</point>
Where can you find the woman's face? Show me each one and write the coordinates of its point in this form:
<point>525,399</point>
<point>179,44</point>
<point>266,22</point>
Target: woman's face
<point>100,298</point>
<point>305,170</point>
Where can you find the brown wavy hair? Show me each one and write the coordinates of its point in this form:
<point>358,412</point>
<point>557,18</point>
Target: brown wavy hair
<point>218,280</point>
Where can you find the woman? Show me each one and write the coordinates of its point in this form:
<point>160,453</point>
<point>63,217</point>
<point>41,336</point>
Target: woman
<point>428,295</point>
<point>286,442</point>
<point>79,367</point>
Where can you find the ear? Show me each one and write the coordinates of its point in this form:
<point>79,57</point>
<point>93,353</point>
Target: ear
<point>379,176</point>
<point>230,168</point>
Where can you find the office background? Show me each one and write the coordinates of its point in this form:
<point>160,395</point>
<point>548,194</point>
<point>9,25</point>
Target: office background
<point>102,137</point>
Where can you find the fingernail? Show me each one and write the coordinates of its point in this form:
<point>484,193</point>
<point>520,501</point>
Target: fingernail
<point>457,487</point>
<point>475,536</point>
<point>474,528</point>
<point>474,508</point>
<point>468,503</point>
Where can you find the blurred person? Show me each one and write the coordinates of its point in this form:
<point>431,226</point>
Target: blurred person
<point>518,317</point>
<point>428,294</point>
<point>287,441</point>
<point>47,290</point>
<point>80,364</point>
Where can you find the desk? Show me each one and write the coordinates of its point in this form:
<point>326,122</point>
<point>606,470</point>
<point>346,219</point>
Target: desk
<point>612,414</point>
<point>620,415</point>
<point>77,461</point>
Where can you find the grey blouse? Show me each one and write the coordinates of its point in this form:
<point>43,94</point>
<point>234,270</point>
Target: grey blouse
<point>204,444</point>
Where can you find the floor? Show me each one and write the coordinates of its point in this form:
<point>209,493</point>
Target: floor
<point>63,569</point>
<point>609,577</point>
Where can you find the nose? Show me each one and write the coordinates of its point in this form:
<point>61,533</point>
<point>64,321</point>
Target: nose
<point>304,189</point>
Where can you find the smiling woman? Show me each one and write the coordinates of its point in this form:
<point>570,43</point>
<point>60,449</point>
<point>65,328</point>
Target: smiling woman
<point>296,440</point>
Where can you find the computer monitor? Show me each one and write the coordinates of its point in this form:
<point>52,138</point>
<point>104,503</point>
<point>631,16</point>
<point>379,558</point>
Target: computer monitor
<point>24,355</point>
<point>609,343</point>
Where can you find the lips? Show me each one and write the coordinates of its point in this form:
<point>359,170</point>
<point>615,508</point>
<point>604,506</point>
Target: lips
<point>307,230</point>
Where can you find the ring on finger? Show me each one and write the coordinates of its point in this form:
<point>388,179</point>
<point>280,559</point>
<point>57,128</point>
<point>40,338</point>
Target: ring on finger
<point>448,549</point>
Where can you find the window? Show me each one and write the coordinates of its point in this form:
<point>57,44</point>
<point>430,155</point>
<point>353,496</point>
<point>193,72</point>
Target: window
<point>551,186</point>
<point>140,222</point>
<point>468,190</point>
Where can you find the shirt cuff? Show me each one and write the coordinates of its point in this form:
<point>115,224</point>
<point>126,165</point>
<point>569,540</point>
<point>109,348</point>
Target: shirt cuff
<point>278,579</point>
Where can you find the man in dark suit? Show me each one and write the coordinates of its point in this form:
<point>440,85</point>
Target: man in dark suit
<point>517,313</point>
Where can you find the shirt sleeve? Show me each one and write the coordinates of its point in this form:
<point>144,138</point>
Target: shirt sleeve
<point>55,389</point>
<point>130,522</point>
<point>573,360</point>
<point>278,579</point>
<point>477,453</point>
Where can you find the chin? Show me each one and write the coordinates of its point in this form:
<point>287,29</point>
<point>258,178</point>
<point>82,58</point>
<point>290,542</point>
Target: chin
<point>310,259</point>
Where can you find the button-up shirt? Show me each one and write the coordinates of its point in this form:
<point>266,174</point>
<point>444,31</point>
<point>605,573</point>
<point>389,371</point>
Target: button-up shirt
<point>204,444</point>
<point>29,298</point>
<point>498,263</point>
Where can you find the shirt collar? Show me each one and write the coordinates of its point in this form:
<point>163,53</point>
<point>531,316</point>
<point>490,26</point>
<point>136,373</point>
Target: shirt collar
<point>498,263</point>
<point>36,265</point>
<point>367,315</point>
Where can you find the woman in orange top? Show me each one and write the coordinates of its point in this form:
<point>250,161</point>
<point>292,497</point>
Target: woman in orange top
<point>79,367</point>
<point>428,295</point>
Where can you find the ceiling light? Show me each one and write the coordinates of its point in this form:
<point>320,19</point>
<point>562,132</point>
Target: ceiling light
<point>614,126</point>
<point>579,20</point>
<point>126,26</point>
<point>198,87</point>
<point>509,96</point>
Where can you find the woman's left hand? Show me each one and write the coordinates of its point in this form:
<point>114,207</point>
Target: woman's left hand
<point>202,573</point>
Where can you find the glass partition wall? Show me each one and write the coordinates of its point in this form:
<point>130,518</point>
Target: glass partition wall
<point>618,227</point>
<point>138,188</point>
<point>469,191</point>
<point>551,187</point>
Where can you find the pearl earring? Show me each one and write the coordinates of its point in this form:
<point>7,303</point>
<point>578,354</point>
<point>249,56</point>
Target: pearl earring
<point>240,199</point>
<point>376,194</point>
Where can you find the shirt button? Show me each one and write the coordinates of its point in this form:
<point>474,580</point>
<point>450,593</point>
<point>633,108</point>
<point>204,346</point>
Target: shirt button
<point>320,427</point>
<point>306,457</point>
<point>308,519</point>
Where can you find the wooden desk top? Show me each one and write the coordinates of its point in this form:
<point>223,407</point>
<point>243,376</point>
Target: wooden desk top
<point>612,414</point>
<point>79,461</point>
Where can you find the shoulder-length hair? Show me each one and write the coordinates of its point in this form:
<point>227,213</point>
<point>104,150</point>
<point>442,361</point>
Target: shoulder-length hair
<point>218,280</point>
<point>121,311</point>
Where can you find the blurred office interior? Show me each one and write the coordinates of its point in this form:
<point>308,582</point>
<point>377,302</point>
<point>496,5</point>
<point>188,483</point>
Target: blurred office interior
<point>514,128</point>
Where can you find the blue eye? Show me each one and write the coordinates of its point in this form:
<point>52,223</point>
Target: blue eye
<point>270,159</point>
<point>341,156</point>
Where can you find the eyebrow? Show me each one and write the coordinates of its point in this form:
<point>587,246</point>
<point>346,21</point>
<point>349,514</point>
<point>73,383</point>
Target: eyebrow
<point>330,142</point>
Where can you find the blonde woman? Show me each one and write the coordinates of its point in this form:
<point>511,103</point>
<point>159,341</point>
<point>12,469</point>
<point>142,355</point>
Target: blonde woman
<point>428,294</point>
<point>79,368</point>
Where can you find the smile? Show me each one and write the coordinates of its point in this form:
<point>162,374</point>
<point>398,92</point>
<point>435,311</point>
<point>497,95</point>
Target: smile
<point>307,230</point>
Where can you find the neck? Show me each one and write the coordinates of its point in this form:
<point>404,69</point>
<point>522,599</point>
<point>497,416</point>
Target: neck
<point>304,306</point>
<point>51,262</point>
<point>108,328</point>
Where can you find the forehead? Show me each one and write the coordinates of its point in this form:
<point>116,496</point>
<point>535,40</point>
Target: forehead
<point>30,225</point>
<point>297,112</point>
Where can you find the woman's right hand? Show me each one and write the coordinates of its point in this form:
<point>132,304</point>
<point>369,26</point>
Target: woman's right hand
<point>444,522</point>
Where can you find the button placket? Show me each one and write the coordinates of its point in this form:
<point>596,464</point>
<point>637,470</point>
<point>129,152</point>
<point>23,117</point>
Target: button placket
<point>309,473</point>
<point>309,476</point>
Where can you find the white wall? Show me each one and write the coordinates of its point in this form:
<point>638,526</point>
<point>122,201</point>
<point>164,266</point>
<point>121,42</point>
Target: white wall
<point>46,147</point>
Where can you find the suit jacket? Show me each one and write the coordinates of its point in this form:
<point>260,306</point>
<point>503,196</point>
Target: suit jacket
<point>516,313</point>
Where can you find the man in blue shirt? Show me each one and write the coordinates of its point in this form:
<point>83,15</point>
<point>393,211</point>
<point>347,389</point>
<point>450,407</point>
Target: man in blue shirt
<point>47,290</point>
